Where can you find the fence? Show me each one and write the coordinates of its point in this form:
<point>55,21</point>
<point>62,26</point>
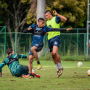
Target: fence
<point>72,44</point>
<point>3,41</point>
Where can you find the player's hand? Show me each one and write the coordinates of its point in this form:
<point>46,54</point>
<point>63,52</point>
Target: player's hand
<point>29,28</point>
<point>69,29</point>
<point>54,12</point>
<point>46,33</point>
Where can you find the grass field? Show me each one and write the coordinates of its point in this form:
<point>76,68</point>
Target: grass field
<point>73,77</point>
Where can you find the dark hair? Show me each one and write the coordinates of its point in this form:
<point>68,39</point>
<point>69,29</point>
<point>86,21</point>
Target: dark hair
<point>9,51</point>
<point>48,11</point>
<point>41,19</point>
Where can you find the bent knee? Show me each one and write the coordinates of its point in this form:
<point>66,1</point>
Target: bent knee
<point>32,49</point>
<point>30,60</point>
<point>54,53</point>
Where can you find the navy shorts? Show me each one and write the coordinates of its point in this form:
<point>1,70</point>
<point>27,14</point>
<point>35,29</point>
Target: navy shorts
<point>54,42</point>
<point>39,48</point>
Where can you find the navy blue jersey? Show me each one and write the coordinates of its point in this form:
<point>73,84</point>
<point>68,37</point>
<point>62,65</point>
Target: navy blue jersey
<point>38,33</point>
<point>57,19</point>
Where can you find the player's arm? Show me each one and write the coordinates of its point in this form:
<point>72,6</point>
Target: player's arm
<point>1,66</point>
<point>29,29</point>
<point>62,17</point>
<point>57,29</point>
<point>22,56</point>
<point>60,29</point>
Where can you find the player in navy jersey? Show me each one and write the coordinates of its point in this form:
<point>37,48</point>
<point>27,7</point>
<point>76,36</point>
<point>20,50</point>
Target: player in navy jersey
<point>15,67</point>
<point>38,32</point>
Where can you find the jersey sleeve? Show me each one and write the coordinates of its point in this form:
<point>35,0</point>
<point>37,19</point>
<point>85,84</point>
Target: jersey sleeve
<point>2,65</point>
<point>31,31</point>
<point>58,29</point>
<point>22,56</point>
<point>47,29</point>
<point>57,19</point>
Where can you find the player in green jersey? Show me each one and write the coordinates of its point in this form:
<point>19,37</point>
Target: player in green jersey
<point>15,67</point>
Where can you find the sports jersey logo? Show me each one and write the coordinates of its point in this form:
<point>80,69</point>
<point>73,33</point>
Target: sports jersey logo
<point>38,28</point>
<point>37,44</point>
<point>55,43</point>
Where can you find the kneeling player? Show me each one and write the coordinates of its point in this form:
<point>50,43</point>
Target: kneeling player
<point>15,68</point>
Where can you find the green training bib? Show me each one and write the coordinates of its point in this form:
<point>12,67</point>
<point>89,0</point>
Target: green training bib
<point>52,24</point>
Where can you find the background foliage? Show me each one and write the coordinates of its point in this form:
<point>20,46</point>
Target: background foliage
<point>18,12</point>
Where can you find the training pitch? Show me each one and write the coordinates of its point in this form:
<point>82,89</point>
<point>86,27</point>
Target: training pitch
<point>73,77</point>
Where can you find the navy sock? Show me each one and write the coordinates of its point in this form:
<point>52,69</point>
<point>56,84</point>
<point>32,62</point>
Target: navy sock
<point>38,62</point>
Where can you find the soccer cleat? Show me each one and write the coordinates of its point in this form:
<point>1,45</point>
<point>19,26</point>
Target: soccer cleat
<point>60,71</point>
<point>35,74</point>
<point>31,77</point>
<point>39,66</point>
<point>58,74</point>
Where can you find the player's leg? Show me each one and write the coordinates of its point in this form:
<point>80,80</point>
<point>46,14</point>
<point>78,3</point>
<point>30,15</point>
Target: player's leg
<point>55,61</point>
<point>59,61</point>
<point>35,74</point>
<point>24,72</point>
<point>31,57</point>
<point>56,64</point>
<point>55,57</point>
<point>59,65</point>
<point>34,50</point>
<point>50,44</point>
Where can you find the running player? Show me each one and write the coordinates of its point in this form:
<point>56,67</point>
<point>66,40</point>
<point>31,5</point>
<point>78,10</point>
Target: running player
<point>15,67</point>
<point>54,38</point>
<point>38,32</point>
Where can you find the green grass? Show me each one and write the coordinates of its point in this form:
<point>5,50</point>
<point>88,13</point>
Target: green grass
<point>73,77</point>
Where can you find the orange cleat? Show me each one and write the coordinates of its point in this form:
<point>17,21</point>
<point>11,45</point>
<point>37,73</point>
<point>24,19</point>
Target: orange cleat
<point>35,74</point>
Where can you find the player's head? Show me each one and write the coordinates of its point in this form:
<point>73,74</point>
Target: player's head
<point>41,22</point>
<point>10,51</point>
<point>48,14</point>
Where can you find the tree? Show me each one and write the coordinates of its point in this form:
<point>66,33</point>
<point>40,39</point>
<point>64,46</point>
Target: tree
<point>15,14</point>
<point>74,10</point>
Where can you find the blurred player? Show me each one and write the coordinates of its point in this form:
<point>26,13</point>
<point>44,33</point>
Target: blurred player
<point>16,69</point>
<point>38,32</point>
<point>54,38</point>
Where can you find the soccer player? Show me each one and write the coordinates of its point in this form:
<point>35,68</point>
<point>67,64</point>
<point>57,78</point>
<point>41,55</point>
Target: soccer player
<point>38,32</point>
<point>54,38</point>
<point>15,67</point>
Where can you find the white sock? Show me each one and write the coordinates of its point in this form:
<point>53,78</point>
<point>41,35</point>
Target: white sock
<point>59,65</point>
<point>56,66</point>
<point>32,70</point>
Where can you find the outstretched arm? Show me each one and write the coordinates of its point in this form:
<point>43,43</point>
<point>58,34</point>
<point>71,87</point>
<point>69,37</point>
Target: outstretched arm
<point>22,56</point>
<point>1,66</point>
<point>62,17</point>
<point>29,29</point>
<point>26,30</point>
<point>60,29</point>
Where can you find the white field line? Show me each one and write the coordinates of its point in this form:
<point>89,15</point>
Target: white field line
<point>63,67</point>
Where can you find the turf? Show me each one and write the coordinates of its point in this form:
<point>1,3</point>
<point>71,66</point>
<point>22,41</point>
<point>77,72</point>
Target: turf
<point>73,77</point>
